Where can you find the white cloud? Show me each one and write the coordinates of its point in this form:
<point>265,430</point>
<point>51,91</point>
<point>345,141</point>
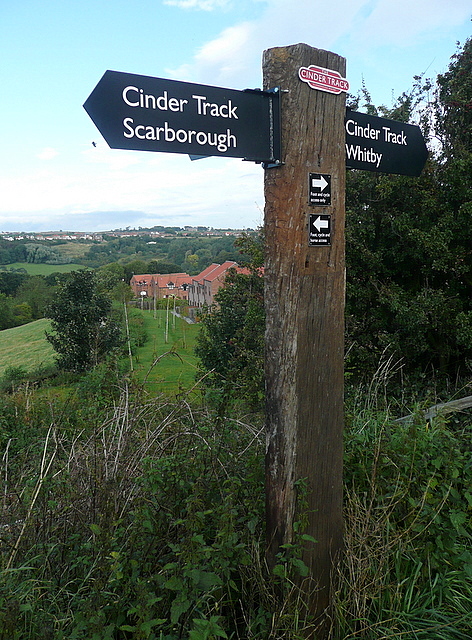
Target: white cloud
<point>202,5</point>
<point>48,153</point>
<point>224,59</point>
<point>153,188</point>
<point>363,26</point>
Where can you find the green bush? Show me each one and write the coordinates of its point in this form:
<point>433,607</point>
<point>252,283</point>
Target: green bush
<point>146,525</point>
<point>128,517</point>
<point>408,565</point>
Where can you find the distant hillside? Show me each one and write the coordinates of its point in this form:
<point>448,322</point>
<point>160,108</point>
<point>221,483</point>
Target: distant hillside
<point>26,346</point>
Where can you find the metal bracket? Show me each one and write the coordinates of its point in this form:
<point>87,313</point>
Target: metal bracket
<point>275,128</point>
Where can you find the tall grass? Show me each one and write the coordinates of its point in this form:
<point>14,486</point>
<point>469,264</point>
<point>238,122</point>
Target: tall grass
<point>126,515</point>
<point>407,566</point>
<point>146,524</point>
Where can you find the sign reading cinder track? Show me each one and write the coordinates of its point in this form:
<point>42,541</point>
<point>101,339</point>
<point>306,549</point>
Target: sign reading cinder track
<point>154,114</point>
<point>382,145</point>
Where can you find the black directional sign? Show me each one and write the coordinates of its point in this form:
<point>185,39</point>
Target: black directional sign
<point>382,145</point>
<point>319,230</point>
<point>153,114</point>
<point>319,189</point>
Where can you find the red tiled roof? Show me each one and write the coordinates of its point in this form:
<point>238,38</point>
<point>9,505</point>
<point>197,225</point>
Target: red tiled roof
<point>177,279</point>
<point>145,277</point>
<point>203,275</point>
<point>219,270</point>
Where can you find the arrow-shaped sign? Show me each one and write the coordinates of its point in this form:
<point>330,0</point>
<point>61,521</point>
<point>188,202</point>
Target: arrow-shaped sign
<point>156,114</point>
<point>319,183</point>
<point>320,223</point>
<point>385,146</point>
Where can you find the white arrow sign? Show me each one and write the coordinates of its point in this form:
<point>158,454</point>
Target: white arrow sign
<point>320,224</point>
<point>319,183</point>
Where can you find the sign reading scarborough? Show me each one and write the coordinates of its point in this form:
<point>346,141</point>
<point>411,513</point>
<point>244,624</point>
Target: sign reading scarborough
<point>154,114</point>
<point>386,146</point>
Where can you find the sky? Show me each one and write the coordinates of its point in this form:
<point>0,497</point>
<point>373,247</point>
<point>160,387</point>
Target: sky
<point>54,52</point>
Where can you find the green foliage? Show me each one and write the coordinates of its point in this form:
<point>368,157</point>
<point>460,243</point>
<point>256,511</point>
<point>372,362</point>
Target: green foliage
<point>12,251</point>
<point>163,349</point>
<point>409,264</point>
<point>84,332</point>
<point>23,298</point>
<point>37,294</point>
<point>11,377</point>
<point>186,252</point>
<point>109,276</point>
<point>163,266</point>
<point>408,567</point>
<point>7,316</point>
<point>40,269</point>
<point>10,282</point>
<point>142,527</point>
<point>454,106</point>
<point>39,253</point>
<point>131,517</point>
<point>230,345</point>
<point>135,267</point>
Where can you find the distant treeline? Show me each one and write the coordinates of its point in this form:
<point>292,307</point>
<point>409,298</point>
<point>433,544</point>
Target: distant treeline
<point>189,254</point>
<point>23,298</point>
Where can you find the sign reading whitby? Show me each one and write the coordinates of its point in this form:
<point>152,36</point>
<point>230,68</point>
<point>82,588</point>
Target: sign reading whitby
<point>386,146</point>
<point>153,114</point>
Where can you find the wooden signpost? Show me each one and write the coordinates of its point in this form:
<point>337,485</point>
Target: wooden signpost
<point>304,297</point>
<point>299,130</point>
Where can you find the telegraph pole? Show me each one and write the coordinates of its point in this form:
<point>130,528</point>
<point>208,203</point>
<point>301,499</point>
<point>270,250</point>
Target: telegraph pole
<point>304,298</point>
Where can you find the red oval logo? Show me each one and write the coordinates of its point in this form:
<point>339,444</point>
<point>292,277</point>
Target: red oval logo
<point>323,79</point>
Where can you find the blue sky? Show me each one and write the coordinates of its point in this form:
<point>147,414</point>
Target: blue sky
<point>53,52</point>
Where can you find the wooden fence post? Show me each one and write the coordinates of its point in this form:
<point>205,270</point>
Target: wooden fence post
<point>304,298</point>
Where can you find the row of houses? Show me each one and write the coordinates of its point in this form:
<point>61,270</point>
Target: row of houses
<point>198,290</point>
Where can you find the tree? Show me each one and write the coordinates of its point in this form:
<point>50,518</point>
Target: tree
<point>454,105</point>
<point>11,281</point>
<point>40,253</point>
<point>408,254</point>
<point>7,317</point>
<point>408,240</point>
<point>109,275</point>
<point>37,293</point>
<point>84,332</point>
<point>163,266</point>
<point>135,267</point>
<point>230,345</point>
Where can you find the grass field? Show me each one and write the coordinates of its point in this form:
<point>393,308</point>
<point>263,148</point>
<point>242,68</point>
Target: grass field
<point>26,347</point>
<point>173,371</point>
<point>43,269</point>
<point>71,250</point>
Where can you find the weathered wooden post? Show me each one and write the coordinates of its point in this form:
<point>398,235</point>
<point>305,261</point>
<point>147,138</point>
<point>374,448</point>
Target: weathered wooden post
<point>305,282</point>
